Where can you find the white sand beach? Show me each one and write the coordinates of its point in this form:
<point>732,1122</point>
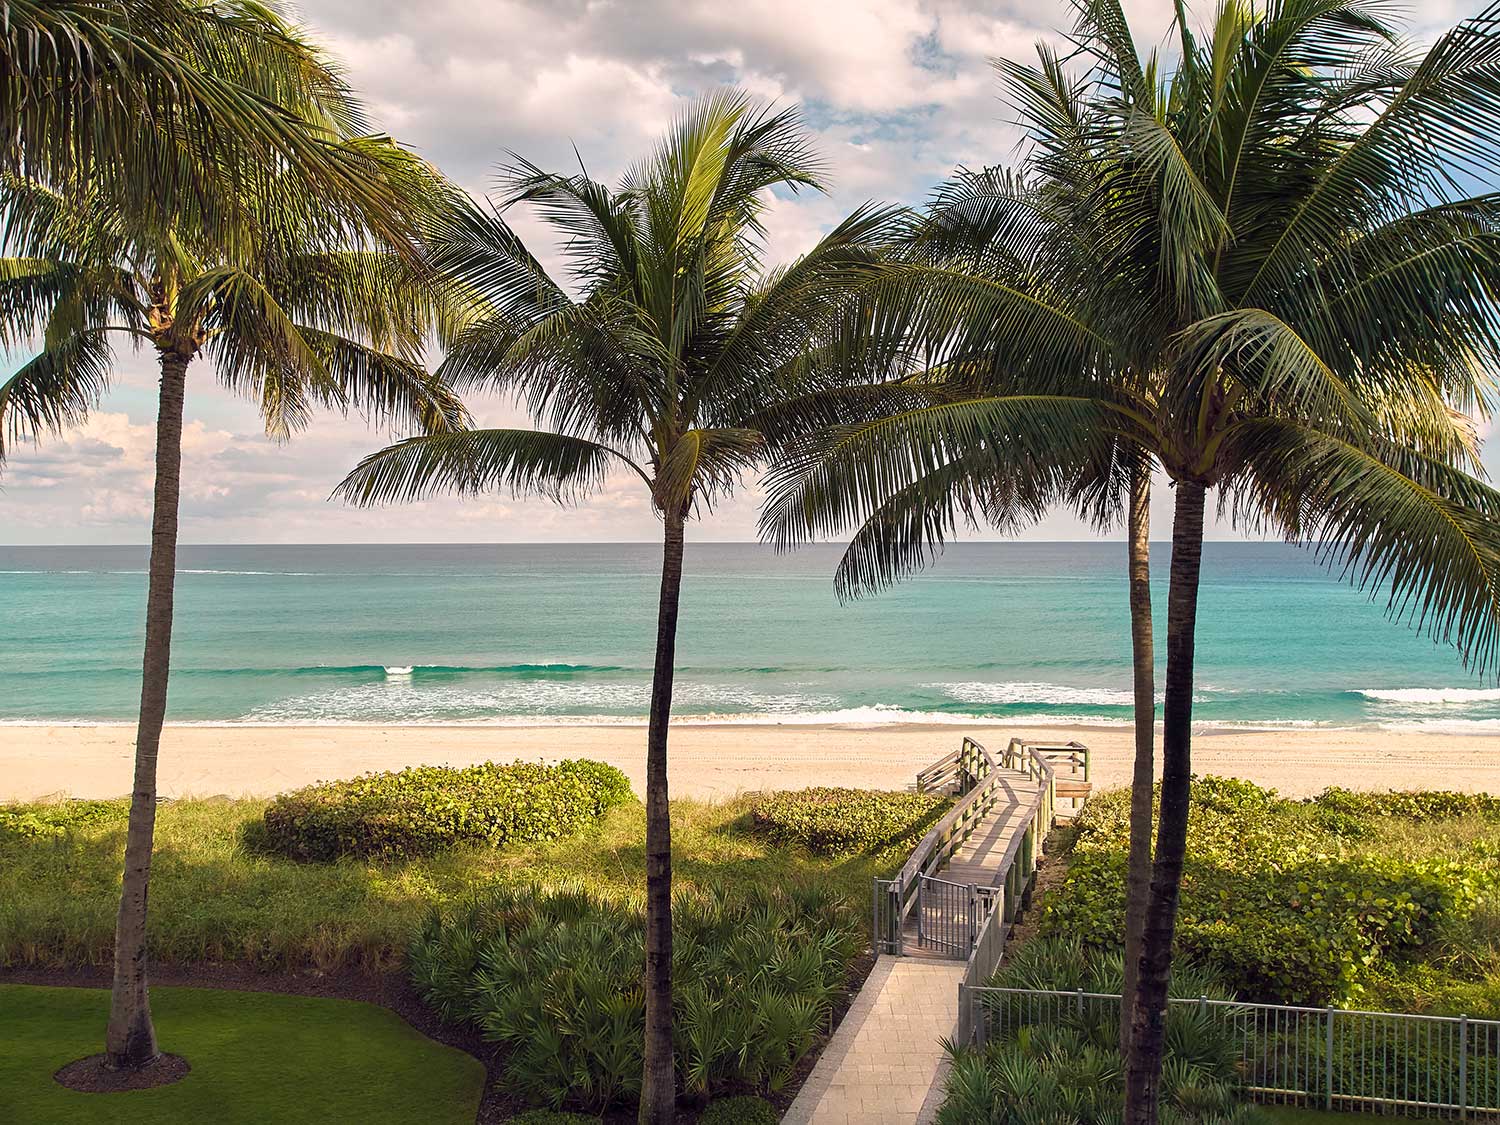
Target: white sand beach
<point>706,761</point>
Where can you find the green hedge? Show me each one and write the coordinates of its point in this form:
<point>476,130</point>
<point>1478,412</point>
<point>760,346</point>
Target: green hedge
<point>1283,898</point>
<point>423,810</point>
<point>554,977</point>
<point>739,1111</point>
<point>832,821</point>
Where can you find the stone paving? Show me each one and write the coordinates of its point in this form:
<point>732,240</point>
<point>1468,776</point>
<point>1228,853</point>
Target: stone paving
<point>884,1064</point>
<point>880,1065</point>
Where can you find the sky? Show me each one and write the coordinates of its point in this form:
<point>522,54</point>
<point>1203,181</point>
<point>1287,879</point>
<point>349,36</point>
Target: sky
<point>897,92</point>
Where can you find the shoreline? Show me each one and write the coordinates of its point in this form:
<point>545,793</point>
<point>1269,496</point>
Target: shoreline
<point>1205,729</point>
<point>712,762</point>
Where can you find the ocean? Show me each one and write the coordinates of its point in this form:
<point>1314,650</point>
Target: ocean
<point>511,634</point>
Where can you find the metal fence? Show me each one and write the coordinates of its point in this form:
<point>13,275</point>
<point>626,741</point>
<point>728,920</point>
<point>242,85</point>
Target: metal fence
<point>1331,1058</point>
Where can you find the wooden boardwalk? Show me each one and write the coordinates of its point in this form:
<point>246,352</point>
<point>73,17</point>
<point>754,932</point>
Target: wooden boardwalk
<point>884,1063</point>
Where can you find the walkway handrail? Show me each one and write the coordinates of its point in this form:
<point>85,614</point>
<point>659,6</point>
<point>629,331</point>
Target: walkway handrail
<point>1018,866</point>
<point>1328,1058</point>
<point>980,781</point>
<point>973,769</point>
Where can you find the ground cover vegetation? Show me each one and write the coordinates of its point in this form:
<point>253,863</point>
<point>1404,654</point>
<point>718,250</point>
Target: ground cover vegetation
<point>551,975</point>
<point>1349,898</point>
<point>833,821</point>
<point>255,1057</point>
<point>424,809</point>
<point>1061,1061</point>
<point>534,940</point>
<point>222,895</point>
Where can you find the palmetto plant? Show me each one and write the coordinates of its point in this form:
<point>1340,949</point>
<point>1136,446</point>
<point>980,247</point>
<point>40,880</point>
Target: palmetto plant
<point>553,975</point>
<point>1297,254</point>
<point>665,366</point>
<point>297,307</point>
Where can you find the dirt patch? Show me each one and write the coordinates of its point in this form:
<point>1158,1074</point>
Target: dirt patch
<point>94,1075</point>
<point>1051,870</point>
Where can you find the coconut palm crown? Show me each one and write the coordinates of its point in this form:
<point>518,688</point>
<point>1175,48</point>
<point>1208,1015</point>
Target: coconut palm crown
<point>661,367</point>
<point>176,110</point>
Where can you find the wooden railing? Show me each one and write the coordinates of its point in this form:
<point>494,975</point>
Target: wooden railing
<point>1022,857</point>
<point>973,773</point>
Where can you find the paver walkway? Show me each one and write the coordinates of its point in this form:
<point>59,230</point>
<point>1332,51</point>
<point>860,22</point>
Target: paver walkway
<point>882,1065</point>
<point>879,1067</point>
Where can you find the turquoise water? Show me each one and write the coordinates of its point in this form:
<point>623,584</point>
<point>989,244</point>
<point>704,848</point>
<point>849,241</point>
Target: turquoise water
<point>425,634</point>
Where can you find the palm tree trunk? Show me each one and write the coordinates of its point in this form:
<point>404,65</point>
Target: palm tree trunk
<point>130,1041</point>
<point>1143,659</point>
<point>1148,1020</point>
<point>659,1088</point>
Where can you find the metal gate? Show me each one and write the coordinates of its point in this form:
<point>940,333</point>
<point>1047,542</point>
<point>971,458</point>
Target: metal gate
<point>946,916</point>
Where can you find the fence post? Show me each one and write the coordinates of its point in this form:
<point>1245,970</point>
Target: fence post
<point>1080,1002</point>
<point>1463,1067</point>
<point>1328,1062</point>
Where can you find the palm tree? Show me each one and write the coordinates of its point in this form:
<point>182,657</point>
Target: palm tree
<point>1293,216</point>
<point>300,309</point>
<point>1037,236</point>
<point>664,366</point>
<point>157,104</point>
<point>1045,231</point>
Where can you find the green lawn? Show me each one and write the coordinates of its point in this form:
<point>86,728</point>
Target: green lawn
<point>256,1057</point>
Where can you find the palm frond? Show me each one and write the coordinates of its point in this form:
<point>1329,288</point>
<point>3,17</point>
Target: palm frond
<point>472,462</point>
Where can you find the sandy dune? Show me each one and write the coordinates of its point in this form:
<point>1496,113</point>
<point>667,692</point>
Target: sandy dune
<point>707,761</point>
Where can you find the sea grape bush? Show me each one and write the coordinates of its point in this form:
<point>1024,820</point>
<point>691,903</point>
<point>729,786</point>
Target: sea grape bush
<point>1348,811</point>
<point>832,821</point>
<point>553,976</point>
<point>1283,898</point>
<point>425,809</point>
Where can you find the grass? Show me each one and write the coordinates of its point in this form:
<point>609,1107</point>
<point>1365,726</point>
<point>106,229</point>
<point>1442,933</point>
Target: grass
<point>216,897</point>
<point>1295,1115</point>
<point>255,1057</point>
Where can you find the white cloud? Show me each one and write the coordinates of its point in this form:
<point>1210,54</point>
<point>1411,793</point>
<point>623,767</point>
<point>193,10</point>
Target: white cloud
<point>899,92</point>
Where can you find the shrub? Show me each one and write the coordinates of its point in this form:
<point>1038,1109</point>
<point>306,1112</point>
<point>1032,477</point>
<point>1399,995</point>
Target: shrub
<point>422,810</point>
<point>554,976</point>
<point>832,821</point>
<point>739,1111</point>
<point>1068,1068</point>
<point>1282,902</point>
<point>56,821</point>
<point>1430,804</point>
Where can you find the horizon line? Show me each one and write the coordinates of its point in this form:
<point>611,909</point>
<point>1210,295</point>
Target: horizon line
<point>639,543</point>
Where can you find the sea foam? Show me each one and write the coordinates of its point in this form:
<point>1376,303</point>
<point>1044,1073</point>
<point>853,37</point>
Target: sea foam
<point>1430,696</point>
